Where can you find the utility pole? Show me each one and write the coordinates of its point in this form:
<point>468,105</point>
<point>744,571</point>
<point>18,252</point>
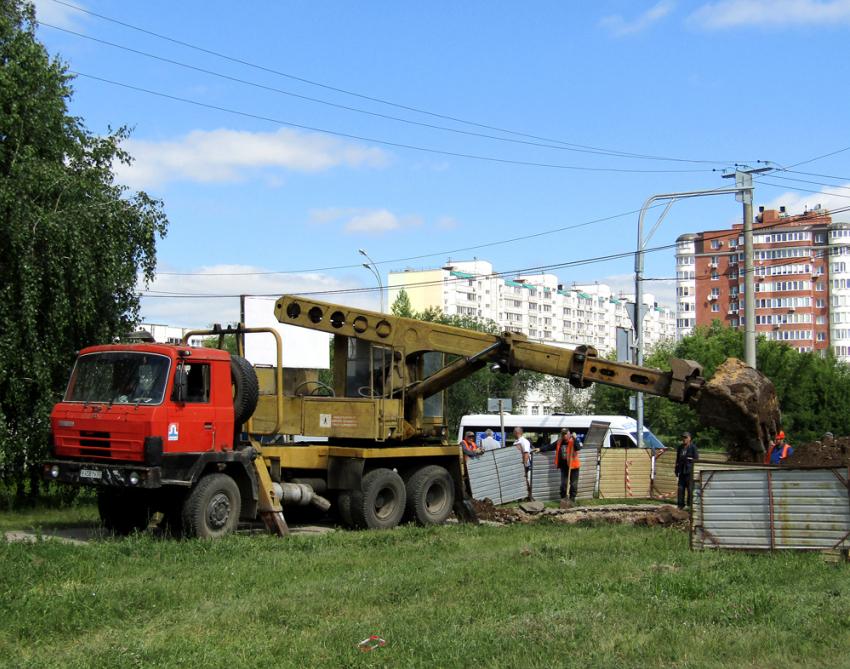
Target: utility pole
<point>744,181</point>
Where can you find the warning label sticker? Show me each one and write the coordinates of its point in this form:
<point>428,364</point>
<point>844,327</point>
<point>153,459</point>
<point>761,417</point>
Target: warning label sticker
<point>329,421</point>
<point>343,421</point>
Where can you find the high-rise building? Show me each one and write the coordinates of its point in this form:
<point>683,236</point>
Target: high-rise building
<point>802,286</point>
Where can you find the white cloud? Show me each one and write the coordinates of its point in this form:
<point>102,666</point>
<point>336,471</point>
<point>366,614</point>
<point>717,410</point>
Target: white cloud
<point>379,222</point>
<point>58,15</point>
<point>771,13</point>
<point>231,280</point>
<point>223,155</point>
<point>619,26</point>
<point>366,221</point>
<point>828,198</point>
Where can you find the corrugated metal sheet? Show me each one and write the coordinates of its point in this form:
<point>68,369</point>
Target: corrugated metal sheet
<point>499,475</point>
<point>546,478</point>
<point>612,473</point>
<point>771,508</point>
<point>665,483</point>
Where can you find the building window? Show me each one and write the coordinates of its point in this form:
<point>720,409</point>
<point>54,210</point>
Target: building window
<point>715,244</point>
<point>715,307</point>
<point>715,276</point>
<point>820,304</point>
<point>820,286</point>
<point>821,336</point>
<point>820,320</point>
<point>819,239</point>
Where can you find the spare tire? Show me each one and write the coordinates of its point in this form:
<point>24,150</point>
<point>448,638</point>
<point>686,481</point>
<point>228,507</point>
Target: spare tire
<point>246,389</point>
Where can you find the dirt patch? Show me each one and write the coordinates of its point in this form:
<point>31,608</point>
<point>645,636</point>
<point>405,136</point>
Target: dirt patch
<point>741,402</point>
<point>650,515</point>
<point>827,453</point>
<point>484,509</point>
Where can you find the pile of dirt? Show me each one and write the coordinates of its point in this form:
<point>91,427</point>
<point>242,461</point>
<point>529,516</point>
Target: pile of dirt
<point>484,509</point>
<point>827,453</point>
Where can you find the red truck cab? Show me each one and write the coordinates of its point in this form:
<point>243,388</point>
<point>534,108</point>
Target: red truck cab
<point>144,423</point>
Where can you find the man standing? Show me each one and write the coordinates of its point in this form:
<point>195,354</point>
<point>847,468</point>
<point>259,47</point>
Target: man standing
<point>470,448</point>
<point>524,447</point>
<point>779,450</point>
<point>566,459</point>
<point>685,458</point>
<point>489,443</point>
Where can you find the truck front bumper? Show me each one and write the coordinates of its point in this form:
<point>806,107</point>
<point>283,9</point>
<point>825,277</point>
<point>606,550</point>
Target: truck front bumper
<point>102,475</point>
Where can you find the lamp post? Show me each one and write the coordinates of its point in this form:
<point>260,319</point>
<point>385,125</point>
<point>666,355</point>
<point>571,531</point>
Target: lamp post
<point>374,269</point>
<point>639,308</point>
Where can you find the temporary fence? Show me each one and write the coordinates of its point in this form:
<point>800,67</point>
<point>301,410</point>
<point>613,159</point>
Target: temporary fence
<point>665,483</point>
<point>498,475</point>
<point>747,507</point>
<point>625,473</point>
<point>546,478</point>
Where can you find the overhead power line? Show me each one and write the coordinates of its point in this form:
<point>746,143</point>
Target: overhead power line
<point>574,146</point>
<point>378,141</point>
<point>547,145</point>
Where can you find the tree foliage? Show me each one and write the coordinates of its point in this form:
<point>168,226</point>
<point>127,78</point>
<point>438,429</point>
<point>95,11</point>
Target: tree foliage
<point>73,243</point>
<point>813,391</point>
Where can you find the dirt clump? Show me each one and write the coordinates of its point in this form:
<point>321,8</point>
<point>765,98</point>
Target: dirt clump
<point>826,453</point>
<point>741,402</point>
<point>484,508</point>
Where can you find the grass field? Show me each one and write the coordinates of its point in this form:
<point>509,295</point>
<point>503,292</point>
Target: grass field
<point>539,595</point>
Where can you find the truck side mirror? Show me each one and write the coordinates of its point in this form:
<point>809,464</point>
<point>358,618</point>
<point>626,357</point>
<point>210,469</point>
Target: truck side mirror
<point>181,383</point>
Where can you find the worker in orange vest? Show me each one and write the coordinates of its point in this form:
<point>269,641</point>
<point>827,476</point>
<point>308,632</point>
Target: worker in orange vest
<point>779,450</point>
<point>566,459</point>
<point>470,448</point>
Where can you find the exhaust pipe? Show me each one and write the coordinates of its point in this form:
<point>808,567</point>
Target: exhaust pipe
<point>300,494</point>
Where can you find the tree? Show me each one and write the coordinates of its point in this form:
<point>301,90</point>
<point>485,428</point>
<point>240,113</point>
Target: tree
<point>73,243</point>
<point>401,306</point>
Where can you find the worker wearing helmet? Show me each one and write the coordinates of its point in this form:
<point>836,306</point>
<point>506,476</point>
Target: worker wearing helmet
<point>470,448</point>
<point>779,450</point>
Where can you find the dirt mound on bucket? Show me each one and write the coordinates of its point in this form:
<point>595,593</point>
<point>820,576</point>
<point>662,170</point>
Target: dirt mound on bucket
<point>827,453</point>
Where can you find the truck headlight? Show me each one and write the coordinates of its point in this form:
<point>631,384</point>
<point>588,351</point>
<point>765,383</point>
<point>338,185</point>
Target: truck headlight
<point>54,471</point>
<point>134,478</point>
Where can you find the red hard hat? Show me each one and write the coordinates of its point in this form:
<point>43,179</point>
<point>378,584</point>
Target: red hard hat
<point>781,435</point>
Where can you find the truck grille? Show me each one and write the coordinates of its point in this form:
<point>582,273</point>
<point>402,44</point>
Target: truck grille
<point>95,444</point>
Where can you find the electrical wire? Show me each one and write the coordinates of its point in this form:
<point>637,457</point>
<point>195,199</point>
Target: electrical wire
<point>379,141</point>
<point>381,101</point>
<point>362,111</point>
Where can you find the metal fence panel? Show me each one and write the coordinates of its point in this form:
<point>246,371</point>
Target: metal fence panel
<point>771,508</point>
<point>546,478</point>
<point>499,475</point>
<point>618,482</point>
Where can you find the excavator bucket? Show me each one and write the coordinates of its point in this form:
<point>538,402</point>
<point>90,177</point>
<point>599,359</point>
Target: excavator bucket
<point>742,402</point>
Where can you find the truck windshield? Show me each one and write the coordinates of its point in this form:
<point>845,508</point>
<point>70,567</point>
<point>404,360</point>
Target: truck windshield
<point>119,377</point>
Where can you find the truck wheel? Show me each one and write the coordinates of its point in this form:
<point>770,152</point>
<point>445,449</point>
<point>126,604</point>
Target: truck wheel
<point>343,509</point>
<point>430,495</point>
<point>246,389</point>
<point>122,514</point>
<point>212,508</point>
<point>380,505</point>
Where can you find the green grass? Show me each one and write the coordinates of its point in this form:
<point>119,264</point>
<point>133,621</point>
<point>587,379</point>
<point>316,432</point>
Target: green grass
<point>538,595</point>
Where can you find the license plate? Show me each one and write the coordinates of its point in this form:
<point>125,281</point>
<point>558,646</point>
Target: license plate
<point>91,474</point>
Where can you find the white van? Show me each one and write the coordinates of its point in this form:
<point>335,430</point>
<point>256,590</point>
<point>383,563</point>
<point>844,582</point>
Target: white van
<point>539,430</point>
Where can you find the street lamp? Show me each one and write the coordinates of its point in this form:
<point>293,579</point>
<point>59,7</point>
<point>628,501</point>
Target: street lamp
<point>374,269</point>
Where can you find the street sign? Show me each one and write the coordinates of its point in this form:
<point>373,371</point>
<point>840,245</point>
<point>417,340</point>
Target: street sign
<point>624,345</point>
<point>630,309</point>
<point>500,404</point>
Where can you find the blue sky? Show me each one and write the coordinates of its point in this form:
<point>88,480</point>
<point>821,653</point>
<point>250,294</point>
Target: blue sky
<point>423,131</point>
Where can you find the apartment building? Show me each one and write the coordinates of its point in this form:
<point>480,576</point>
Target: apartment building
<point>535,305</point>
<point>170,334</point>
<point>802,285</point>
